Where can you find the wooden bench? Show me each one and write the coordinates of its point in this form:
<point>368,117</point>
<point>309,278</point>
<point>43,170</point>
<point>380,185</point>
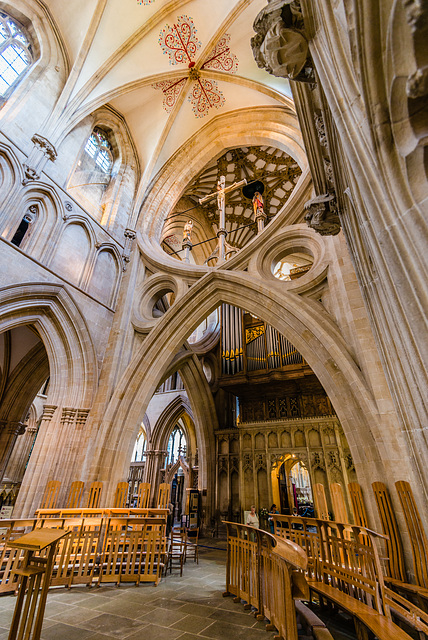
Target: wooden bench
<point>380,625</point>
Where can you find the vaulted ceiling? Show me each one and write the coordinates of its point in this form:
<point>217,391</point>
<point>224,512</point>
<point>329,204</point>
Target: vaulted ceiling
<point>168,66</point>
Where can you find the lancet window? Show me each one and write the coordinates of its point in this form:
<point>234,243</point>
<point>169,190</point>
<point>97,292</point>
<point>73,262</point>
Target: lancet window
<point>15,53</point>
<point>176,445</point>
<point>99,149</point>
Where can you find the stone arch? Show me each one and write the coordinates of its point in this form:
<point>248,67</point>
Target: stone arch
<point>48,213</point>
<point>105,272</point>
<point>73,373</point>
<point>63,330</point>
<point>175,467</point>
<point>167,420</point>
<point>73,250</point>
<point>111,205</point>
<point>221,133</point>
<point>301,320</point>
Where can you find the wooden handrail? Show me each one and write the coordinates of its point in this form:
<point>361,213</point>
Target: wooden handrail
<point>267,573</point>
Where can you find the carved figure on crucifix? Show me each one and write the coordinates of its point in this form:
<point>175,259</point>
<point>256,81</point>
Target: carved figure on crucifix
<point>187,231</point>
<point>220,193</point>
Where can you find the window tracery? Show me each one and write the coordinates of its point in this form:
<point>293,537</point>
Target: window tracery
<point>15,53</point>
<point>99,149</point>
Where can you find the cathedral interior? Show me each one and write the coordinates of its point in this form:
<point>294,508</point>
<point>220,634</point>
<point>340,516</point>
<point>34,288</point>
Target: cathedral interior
<point>213,228</point>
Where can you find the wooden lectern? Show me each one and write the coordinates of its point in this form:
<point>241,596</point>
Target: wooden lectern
<point>35,575</point>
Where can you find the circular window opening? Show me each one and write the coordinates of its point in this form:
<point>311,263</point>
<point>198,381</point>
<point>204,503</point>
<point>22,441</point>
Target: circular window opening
<point>292,266</point>
<point>162,302</point>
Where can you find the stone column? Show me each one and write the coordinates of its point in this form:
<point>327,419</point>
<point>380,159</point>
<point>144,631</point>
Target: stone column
<point>9,431</point>
<point>187,247</point>
<point>34,483</point>
<point>16,467</point>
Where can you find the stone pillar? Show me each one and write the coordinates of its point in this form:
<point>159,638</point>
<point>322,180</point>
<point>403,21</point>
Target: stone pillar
<point>9,432</point>
<point>187,247</point>
<point>42,151</point>
<point>260,219</point>
<point>17,462</point>
<point>34,481</point>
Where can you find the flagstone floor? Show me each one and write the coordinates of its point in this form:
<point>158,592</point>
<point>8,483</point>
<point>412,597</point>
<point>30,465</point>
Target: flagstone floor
<point>190,607</point>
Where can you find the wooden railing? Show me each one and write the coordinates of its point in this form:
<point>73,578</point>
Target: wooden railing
<point>97,549</point>
<point>346,557</point>
<point>267,574</point>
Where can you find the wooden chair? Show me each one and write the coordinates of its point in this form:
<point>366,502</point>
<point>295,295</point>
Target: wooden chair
<point>121,495</point>
<point>320,501</point>
<point>394,547</point>
<point>359,509</point>
<point>177,549</point>
<point>75,495</point>
<point>192,549</point>
<point>94,496</point>
<point>163,496</point>
<point>143,495</point>
<point>416,532</point>
<point>50,496</point>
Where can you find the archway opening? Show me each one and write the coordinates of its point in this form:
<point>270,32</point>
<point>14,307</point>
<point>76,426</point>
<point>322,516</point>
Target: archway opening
<point>24,385</point>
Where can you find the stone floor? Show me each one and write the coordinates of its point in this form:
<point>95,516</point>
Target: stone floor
<point>180,608</point>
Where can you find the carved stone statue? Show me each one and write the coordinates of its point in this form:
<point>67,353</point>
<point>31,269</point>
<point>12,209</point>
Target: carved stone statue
<point>322,215</point>
<point>258,206</point>
<point>280,46</point>
<point>187,231</point>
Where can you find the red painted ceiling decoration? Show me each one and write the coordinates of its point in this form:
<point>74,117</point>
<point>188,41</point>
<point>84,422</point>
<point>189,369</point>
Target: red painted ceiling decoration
<point>181,44</point>
<point>171,90</point>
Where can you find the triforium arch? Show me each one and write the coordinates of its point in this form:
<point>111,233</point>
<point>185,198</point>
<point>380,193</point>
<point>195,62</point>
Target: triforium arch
<point>73,375</point>
<point>305,325</point>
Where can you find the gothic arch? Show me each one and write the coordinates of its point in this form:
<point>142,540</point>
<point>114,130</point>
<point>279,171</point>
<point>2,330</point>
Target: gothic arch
<point>63,330</point>
<point>167,420</point>
<point>272,126</point>
<point>301,320</point>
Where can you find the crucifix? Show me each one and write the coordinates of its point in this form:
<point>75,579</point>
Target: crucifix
<point>220,194</point>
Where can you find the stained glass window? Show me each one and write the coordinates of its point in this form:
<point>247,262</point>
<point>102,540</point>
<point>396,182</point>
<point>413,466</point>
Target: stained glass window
<point>15,52</point>
<point>99,148</point>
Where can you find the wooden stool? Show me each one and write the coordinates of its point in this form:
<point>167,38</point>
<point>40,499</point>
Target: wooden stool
<point>35,578</point>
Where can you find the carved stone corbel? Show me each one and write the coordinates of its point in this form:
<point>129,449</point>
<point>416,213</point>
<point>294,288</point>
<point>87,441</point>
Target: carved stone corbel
<point>322,215</point>
<point>130,236</point>
<point>42,151</point>
<point>280,45</point>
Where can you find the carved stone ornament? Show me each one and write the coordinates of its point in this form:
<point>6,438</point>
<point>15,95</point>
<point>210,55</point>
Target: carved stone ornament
<point>280,46</point>
<point>30,174</point>
<point>45,146</point>
<point>320,127</point>
<point>130,236</point>
<point>68,205</point>
<point>322,215</point>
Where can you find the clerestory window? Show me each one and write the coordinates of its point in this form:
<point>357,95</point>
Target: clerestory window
<point>15,53</point>
<point>99,149</point>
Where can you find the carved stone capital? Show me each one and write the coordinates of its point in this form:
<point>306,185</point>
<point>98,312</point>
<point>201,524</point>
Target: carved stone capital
<point>48,411</point>
<point>322,215</point>
<point>12,428</point>
<point>68,415</point>
<point>45,146</point>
